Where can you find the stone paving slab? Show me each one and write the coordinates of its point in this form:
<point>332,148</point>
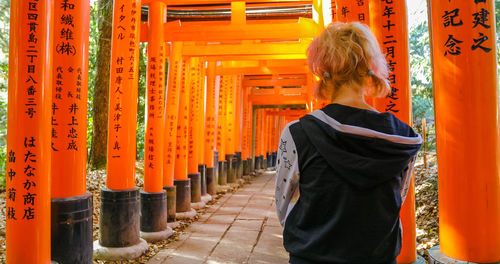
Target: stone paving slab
<point>241,227</point>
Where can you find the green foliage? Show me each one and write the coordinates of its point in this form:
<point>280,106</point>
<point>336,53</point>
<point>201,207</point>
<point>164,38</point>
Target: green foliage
<point>141,102</point>
<point>4,74</point>
<point>93,46</point>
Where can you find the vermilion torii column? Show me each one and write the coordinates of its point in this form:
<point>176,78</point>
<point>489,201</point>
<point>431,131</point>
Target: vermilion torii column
<point>210,128</point>
<point>221,131</point>
<point>466,108</point>
<point>259,157</point>
<point>181,180</point>
<point>170,132</point>
<point>120,208</point>
<point>230,87</point>
<point>193,144</point>
<point>71,241</point>
<point>247,132</point>
<point>200,131</point>
<point>238,120</point>
<point>154,197</point>
<point>389,23</point>
<point>28,137</point>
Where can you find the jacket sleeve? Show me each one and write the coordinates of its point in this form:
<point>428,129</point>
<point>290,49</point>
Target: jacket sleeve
<point>287,176</point>
<point>407,175</point>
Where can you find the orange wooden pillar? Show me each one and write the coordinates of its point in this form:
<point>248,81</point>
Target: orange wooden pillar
<point>28,138</point>
<point>200,130</point>
<point>265,137</point>
<point>120,208</point>
<point>230,90</point>
<point>154,197</point>
<point>170,129</point>
<point>389,24</point>
<point>181,180</point>
<point>466,108</point>
<point>247,133</point>
<point>238,121</point>
<point>193,141</point>
<point>69,135</point>
<point>221,130</point>
<point>259,157</point>
<point>210,129</point>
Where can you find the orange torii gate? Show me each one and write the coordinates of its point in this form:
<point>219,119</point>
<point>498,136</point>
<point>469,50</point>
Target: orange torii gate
<point>461,34</point>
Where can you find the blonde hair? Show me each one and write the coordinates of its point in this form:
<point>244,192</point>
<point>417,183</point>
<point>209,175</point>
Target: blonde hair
<point>348,55</point>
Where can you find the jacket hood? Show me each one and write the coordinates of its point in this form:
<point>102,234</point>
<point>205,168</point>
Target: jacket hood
<point>365,148</point>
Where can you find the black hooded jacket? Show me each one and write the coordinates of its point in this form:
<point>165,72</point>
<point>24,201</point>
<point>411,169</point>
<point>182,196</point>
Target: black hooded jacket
<point>342,176</point>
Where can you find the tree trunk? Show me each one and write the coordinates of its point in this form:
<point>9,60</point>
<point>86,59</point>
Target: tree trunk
<point>98,148</point>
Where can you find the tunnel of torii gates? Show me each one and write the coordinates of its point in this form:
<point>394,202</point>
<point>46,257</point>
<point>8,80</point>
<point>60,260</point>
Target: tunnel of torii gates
<point>237,73</point>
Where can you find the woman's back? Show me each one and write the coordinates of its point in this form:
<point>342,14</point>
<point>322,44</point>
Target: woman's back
<point>350,180</point>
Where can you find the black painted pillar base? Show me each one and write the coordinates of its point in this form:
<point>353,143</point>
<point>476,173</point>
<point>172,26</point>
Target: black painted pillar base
<point>239,165</point>
<point>244,166</point>
<point>119,226</point>
<point>71,229</point>
<point>222,180</point>
<point>211,181</point>
<point>171,202</point>
<point>153,211</point>
<point>251,165</point>
<point>120,218</point>
<point>231,176</point>
<point>260,162</point>
<point>202,169</point>
<point>154,216</point>
<point>264,163</point>
<point>183,195</point>
<point>195,187</point>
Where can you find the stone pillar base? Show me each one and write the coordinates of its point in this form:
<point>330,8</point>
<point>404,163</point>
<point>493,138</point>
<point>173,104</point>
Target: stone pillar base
<point>437,257</point>
<point>206,198</point>
<point>186,215</point>
<point>157,236</point>
<point>120,253</point>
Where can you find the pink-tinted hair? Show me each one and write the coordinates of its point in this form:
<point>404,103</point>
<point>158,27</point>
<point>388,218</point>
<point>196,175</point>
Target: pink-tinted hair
<point>348,55</point>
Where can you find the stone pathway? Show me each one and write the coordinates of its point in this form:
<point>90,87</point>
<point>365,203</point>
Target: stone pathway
<point>241,228</point>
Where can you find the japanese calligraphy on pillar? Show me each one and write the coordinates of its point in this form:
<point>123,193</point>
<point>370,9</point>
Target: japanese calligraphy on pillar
<point>230,114</point>
<point>211,114</point>
<point>221,118</point>
<point>391,28</point>
<point>69,102</point>
<point>23,152</point>
<point>123,94</point>
<point>351,10</point>
<point>171,113</point>
<point>155,93</point>
<point>457,22</point>
<point>194,104</point>
<point>181,154</point>
<point>28,139</point>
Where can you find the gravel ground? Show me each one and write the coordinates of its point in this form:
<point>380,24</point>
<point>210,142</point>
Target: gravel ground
<point>426,211</point>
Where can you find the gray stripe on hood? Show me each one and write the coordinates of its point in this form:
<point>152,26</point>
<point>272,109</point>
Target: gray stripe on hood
<point>361,131</point>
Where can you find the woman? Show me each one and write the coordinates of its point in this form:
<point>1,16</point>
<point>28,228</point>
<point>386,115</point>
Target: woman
<point>343,171</point>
